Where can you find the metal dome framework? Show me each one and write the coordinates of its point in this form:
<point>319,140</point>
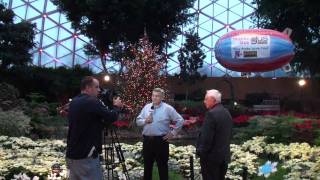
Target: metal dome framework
<point>58,44</point>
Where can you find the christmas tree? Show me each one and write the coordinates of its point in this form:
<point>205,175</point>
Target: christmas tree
<point>141,75</point>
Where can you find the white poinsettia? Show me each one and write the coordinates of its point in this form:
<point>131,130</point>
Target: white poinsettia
<point>300,159</point>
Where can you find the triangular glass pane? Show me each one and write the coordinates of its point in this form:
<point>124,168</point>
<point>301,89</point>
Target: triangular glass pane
<point>16,3</point>
<point>68,27</point>
<point>47,40</point>
<point>206,42</point>
<point>218,10</point>
<point>67,60</point>
<point>203,32</point>
<point>238,25</point>
<point>62,51</point>
<point>21,11</point>
<point>63,34</point>
<point>49,24</point>
<point>233,3</point>
<point>237,10</point>
<point>223,17</point>
<point>79,44</point>
<point>35,58</point>
<point>208,11</point>
<point>45,59</point>
<point>207,26</point>
<point>53,33</point>
<point>218,72</point>
<point>68,43</point>
<point>233,17</point>
<point>204,19</point>
<point>79,60</point>
<point>202,3</point>
<point>81,53</point>
<point>31,13</point>
<point>63,18</point>
<point>55,17</point>
<point>38,4</point>
<point>248,10</point>
<point>51,50</point>
<point>50,6</point>
<point>222,3</point>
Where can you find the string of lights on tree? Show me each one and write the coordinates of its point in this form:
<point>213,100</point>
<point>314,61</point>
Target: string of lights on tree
<point>141,75</point>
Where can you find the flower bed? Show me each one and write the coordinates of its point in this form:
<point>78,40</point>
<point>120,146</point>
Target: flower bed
<point>35,158</point>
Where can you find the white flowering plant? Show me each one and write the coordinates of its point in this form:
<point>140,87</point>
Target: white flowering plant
<point>22,157</point>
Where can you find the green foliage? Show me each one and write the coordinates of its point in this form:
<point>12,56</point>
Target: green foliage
<point>9,97</point>
<point>277,129</point>
<point>172,174</point>
<point>16,40</point>
<point>49,127</point>
<point>54,84</point>
<point>317,137</point>
<point>126,21</point>
<point>45,122</point>
<point>303,18</point>
<point>14,123</point>
<point>191,58</point>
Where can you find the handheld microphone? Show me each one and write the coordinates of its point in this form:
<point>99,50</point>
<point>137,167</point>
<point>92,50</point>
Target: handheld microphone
<point>151,110</point>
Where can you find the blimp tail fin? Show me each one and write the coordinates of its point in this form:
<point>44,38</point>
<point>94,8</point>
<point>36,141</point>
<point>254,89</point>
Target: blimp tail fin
<point>287,31</point>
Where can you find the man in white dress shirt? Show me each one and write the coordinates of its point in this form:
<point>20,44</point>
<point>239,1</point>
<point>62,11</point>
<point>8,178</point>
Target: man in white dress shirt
<point>155,118</point>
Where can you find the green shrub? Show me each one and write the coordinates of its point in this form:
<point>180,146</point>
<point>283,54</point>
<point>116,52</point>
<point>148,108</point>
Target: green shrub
<point>14,123</point>
<point>49,127</point>
<point>278,129</point>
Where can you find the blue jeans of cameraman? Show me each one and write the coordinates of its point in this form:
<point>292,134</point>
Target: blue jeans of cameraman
<point>85,169</point>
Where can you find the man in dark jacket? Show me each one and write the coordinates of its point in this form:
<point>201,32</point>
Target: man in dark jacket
<point>87,118</point>
<point>213,144</point>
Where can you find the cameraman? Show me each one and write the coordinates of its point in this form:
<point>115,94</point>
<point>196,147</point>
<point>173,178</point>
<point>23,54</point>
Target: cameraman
<point>87,118</point>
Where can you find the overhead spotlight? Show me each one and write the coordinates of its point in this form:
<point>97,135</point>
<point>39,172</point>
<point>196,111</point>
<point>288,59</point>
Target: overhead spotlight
<point>302,82</point>
<point>107,78</point>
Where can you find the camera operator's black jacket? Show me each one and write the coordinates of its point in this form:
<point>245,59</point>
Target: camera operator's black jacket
<point>87,118</point>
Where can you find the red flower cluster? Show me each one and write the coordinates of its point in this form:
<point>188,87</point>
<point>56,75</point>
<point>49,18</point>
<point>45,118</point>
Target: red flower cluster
<point>307,124</point>
<point>121,123</point>
<point>241,119</point>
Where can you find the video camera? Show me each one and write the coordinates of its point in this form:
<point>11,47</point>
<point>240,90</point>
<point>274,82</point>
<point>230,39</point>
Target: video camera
<point>107,96</point>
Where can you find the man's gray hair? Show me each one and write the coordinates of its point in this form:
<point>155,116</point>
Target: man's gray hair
<point>215,94</point>
<point>159,90</point>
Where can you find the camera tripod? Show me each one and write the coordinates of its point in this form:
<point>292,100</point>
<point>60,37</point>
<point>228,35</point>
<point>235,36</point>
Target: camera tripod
<point>113,154</point>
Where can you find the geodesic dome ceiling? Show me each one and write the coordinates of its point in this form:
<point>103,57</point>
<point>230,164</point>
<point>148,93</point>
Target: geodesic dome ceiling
<point>57,43</point>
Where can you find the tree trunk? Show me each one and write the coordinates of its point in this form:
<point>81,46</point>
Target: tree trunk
<point>103,62</point>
